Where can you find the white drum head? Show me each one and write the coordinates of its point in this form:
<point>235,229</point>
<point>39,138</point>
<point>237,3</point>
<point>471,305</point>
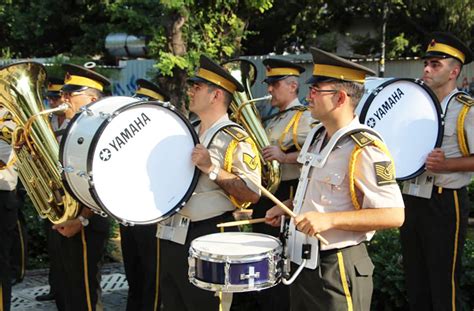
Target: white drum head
<point>408,116</point>
<point>141,163</point>
<point>234,244</point>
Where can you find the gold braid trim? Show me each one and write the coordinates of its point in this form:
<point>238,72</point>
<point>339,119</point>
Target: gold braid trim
<point>229,155</point>
<point>461,135</point>
<point>294,121</point>
<point>352,164</point>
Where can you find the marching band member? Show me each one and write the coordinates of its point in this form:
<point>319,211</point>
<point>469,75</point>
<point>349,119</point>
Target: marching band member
<point>437,203</point>
<point>9,205</point>
<point>286,130</point>
<point>225,150</point>
<point>347,189</point>
<point>79,244</point>
<point>139,243</point>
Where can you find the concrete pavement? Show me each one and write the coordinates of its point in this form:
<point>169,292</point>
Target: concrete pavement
<point>114,290</point>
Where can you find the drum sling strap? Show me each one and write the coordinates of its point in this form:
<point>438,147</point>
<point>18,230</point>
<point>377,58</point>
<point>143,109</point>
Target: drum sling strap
<point>362,140</point>
<point>467,102</point>
<point>238,135</point>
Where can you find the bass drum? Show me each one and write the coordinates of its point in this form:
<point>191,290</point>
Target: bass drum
<point>135,163</point>
<point>408,116</point>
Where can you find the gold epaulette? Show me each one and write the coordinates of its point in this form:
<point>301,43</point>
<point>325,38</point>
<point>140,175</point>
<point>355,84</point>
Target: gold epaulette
<point>236,133</point>
<point>465,100</point>
<point>362,139</point>
<point>300,108</point>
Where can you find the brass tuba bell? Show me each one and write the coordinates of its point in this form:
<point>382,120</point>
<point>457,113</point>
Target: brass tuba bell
<point>245,113</point>
<point>35,146</point>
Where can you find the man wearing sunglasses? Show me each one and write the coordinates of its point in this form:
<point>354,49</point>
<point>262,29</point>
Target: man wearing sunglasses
<point>79,244</point>
<point>346,191</point>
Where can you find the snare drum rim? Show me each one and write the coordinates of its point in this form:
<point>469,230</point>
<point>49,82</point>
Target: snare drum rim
<point>205,255</point>
<point>439,138</point>
<point>93,146</point>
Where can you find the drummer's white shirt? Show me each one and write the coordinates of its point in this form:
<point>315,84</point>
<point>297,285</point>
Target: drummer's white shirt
<point>208,199</point>
<point>450,146</point>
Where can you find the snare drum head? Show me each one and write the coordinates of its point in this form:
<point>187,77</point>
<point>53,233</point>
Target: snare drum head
<point>234,244</point>
<point>407,114</point>
<point>141,163</point>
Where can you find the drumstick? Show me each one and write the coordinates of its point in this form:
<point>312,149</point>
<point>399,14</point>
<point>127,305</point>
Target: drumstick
<point>282,206</point>
<point>241,222</point>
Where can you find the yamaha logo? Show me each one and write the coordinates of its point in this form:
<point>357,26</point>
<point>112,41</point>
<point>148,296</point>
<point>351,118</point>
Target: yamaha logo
<point>105,154</point>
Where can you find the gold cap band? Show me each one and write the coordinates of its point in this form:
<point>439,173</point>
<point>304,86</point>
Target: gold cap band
<point>150,93</point>
<point>282,72</point>
<point>78,80</point>
<point>446,49</point>
<point>338,72</point>
<point>54,87</point>
<point>216,79</point>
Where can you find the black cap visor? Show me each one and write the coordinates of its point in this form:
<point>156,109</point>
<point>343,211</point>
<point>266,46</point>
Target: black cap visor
<point>69,88</point>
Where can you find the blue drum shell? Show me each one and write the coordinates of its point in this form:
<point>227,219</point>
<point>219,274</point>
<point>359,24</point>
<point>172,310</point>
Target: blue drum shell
<point>214,272</point>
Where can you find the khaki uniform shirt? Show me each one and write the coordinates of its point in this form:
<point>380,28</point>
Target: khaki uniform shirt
<point>208,199</point>
<point>276,127</point>
<point>8,176</point>
<point>328,188</point>
<point>450,146</point>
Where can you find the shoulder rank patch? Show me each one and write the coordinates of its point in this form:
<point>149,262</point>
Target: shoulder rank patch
<point>384,173</point>
<point>465,100</point>
<point>362,139</point>
<point>250,161</point>
<point>236,133</point>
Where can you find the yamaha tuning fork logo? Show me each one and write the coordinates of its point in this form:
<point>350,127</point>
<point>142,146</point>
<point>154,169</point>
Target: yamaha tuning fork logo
<point>120,140</point>
<point>385,107</point>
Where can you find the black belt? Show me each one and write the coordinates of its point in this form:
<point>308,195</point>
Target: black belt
<point>440,190</point>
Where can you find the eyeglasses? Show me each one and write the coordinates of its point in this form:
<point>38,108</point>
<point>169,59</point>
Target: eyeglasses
<point>313,90</point>
<point>72,94</point>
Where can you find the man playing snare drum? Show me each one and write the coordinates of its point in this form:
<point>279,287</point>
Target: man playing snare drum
<point>437,204</point>
<point>224,152</point>
<point>347,189</point>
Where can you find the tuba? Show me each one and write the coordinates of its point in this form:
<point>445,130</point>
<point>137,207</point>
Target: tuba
<point>35,146</point>
<point>245,113</point>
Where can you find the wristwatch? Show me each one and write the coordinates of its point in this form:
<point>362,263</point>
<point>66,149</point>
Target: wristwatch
<point>84,221</point>
<point>214,172</point>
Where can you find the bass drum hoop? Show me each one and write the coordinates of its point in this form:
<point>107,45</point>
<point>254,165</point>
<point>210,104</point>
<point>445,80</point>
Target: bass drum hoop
<point>375,92</point>
<point>93,145</point>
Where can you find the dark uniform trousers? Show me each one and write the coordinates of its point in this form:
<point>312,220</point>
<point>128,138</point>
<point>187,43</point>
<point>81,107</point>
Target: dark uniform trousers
<point>9,205</point>
<point>343,281</point>
<point>277,297</point>
<point>78,260</point>
<point>19,249</point>
<point>432,239</point>
<point>140,260</point>
<point>177,293</point>
<point>53,261</point>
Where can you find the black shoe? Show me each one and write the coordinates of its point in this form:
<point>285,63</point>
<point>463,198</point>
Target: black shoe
<point>45,297</point>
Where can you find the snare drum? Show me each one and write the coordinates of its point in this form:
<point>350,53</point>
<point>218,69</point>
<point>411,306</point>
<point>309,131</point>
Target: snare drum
<point>408,116</point>
<point>235,262</point>
<point>130,159</point>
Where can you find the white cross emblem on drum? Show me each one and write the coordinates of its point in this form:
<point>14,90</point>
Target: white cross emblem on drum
<point>105,154</point>
<point>251,276</point>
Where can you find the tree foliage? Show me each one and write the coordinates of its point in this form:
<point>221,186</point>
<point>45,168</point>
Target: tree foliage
<point>178,31</point>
